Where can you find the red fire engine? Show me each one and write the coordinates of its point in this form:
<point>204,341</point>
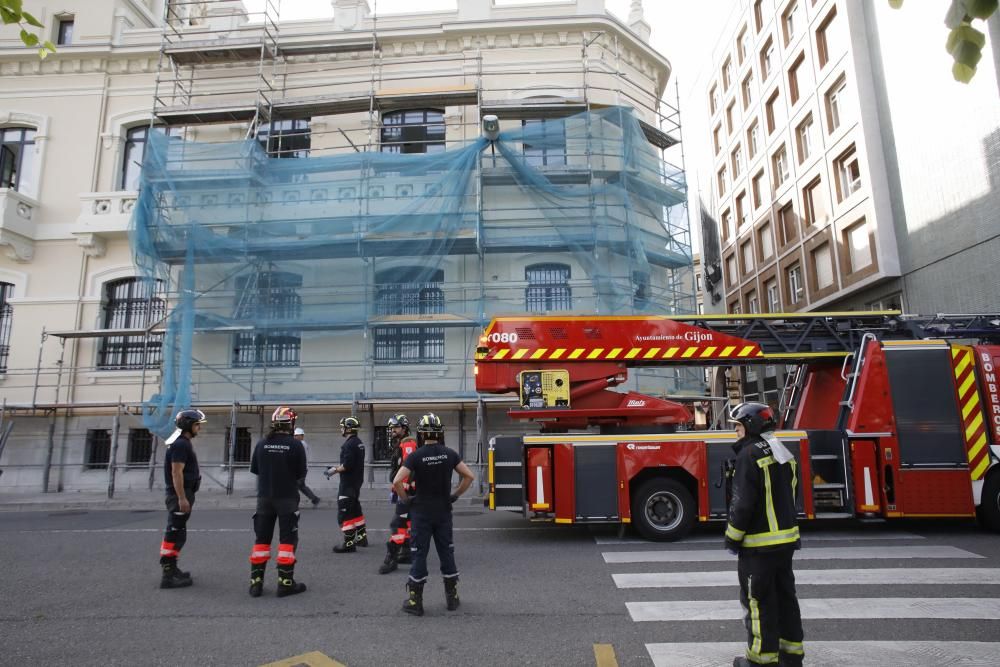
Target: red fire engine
<point>888,415</point>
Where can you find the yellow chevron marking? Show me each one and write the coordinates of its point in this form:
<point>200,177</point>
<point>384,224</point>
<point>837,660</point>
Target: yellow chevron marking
<point>613,354</point>
<point>557,353</point>
<point>746,350</point>
<point>501,354</point>
<point>970,405</point>
<point>595,353</point>
<point>576,353</point>
<point>652,352</point>
<point>955,351</point>
<point>977,421</point>
<point>977,448</point>
<point>963,363</point>
<point>520,353</point>
<point>964,389</point>
<point>689,352</point>
<point>671,352</point>
<point>537,354</point>
<point>977,472</point>
<point>633,353</point>
<point>727,351</point>
<point>707,352</point>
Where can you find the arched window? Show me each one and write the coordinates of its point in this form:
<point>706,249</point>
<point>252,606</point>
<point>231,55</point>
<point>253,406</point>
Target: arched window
<point>135,152</point>
<point>132,303</point>
<point>548,288</point>
<point>6,322</point>
<point>268,300</point>
<point>416,131</point>
<point>409,291</point>
<point>17,159</point>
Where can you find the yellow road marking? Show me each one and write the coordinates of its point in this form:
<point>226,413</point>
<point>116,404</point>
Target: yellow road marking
<point>311,659</point>
<point>604,655</point>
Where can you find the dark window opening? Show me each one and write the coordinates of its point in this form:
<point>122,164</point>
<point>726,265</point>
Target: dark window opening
<point>132,303</point>
<point>286,138</point>
<point>140,446</point>
<point>64,32</point>
<point>548,288</point>
<point>381,449</point>
<point>409,292</point>
<point>416,131</point>
<point>136,140</point>
<point>6,323</point>
<point>241,453</point>
<point>98,449</point>
<point>269,300</point>
<point>640,290</point>
<point>17,158</point>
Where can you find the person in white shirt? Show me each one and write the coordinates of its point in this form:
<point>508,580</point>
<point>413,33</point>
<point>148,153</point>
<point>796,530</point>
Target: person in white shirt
<point>300,435</point>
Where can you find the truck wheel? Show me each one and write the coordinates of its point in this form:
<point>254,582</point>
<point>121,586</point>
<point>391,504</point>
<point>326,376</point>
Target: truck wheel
<point>663,510</point>
<point>989,506</point>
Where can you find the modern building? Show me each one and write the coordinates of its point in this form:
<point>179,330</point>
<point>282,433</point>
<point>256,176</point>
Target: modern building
<point>849,170</point>
<point>355,275</point>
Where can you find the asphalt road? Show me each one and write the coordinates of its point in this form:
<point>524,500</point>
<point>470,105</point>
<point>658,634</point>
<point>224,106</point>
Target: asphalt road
<point>81,588</point>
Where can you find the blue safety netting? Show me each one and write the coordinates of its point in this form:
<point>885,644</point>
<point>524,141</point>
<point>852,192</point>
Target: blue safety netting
<point>266,250</point>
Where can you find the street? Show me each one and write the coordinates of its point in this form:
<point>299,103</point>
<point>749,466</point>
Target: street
<point>81,588</point>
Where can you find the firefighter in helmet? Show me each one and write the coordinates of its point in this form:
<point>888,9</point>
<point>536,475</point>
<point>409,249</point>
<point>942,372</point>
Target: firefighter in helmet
<point>398,546</point>
<point>763,532</point>
<point>279,461</point>
<point>431,468</point>
<point>181,478</point>
<point>351,470</point>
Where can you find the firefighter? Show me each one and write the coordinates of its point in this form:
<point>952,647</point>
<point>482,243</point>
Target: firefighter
<point>182,478</point>
<point>351,471</point>
<point>398,546</point>
<point>279,461</point>
<point>762,531</point>
<point>300,435</point>
<point>431,467</point>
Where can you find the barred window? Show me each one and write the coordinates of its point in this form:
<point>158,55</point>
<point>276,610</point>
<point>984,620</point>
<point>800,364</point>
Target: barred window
<point>132,303</point>
<point>267,300</point>
<point>98,448</point>
<point>413,131</point>
<point>548,288</point>
<point>398,293</point>
<point>241,454</point>
<point>6,323</point>
<point>140,446</point>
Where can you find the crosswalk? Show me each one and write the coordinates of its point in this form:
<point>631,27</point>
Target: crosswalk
<point>695,597</point>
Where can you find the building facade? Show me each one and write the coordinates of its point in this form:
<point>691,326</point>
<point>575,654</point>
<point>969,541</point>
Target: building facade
<point>84,339</point>
<point>849,170</point>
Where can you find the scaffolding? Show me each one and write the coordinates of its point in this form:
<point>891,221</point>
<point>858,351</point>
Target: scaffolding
<point>412,257</point>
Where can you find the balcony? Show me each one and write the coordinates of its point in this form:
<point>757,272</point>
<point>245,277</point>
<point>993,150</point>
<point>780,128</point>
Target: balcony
<point>17,226</point>
<point>103,215</point>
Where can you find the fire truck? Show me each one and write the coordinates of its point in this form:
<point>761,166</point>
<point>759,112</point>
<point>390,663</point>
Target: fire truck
<point>889,416</point>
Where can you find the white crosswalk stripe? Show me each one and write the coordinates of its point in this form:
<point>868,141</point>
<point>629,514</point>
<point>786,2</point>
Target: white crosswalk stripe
<point>820,549</point>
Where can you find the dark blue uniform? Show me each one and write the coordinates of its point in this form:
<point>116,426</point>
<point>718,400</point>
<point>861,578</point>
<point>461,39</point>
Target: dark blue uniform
<point>174,537</point>
<point>350,516</point>
<point>430,510</point>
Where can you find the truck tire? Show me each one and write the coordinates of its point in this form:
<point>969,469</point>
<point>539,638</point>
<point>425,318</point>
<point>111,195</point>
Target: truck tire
<point>663,510</point>
<point>989,507</point>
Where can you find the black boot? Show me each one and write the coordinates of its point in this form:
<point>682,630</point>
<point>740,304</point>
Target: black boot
<point>391,557</point>
<point>257,580</point>
<point>414,603</point>
<point>286,581</point>
<point>348,546</point>
<point>172,577</point>
<point>451,593</point>
<point>405,557</point>
<point>362,537</point>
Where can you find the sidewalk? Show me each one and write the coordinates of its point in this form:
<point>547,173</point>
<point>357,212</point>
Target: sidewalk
<point>131,499</point>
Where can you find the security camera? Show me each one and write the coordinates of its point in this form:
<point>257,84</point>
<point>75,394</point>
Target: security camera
<point>491,127</point>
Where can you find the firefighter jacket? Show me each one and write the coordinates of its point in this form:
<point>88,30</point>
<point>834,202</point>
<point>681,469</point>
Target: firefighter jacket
<point>402,449</point>
<point>352,457</point>
<point>762,509</point>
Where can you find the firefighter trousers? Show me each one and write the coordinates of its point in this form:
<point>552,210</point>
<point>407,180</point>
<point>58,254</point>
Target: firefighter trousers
<point>399,526</point>
<point>773,620</point>
<point>432,522</point>
<point>175,534</point>
<point>284,511</point>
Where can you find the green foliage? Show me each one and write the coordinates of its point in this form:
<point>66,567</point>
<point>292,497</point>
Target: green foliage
<point>12,12</point>
<point>965,43</point>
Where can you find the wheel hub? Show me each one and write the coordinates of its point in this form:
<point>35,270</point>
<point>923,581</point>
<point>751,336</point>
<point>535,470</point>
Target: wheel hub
<point>664,510</point>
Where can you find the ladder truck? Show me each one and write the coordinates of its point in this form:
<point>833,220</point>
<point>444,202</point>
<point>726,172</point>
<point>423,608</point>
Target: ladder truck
<point>889,416</point>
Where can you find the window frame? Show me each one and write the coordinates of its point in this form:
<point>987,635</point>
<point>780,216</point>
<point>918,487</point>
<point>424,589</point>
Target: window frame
<point>413,136</point>
<point>545,156</point>
<point>842,165</point>
<point>272,348</point>
<point>12,164</point>
<point>64,25</point>
<point>553,292</point>
<point>138,307</point>
<point>804,138</point>
<point>6,323</point>
<point>834,99</point>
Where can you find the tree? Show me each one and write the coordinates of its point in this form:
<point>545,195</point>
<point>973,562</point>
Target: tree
<point>11,12</point>
<point>965,43</point>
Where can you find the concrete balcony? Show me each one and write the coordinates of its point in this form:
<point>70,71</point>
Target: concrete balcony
<point>103,216</point>
<point>17,224</point>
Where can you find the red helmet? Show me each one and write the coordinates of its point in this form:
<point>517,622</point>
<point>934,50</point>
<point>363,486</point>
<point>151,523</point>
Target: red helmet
<point>283,419</point>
